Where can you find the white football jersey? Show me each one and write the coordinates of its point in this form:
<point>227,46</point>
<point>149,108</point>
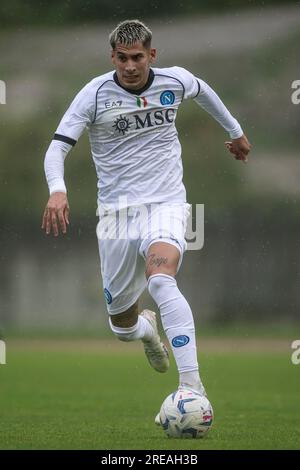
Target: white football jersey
<point>133,137</point>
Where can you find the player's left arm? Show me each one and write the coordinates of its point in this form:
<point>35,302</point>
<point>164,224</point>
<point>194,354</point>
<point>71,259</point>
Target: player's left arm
<point>205,96</point>
<point>239,145</point>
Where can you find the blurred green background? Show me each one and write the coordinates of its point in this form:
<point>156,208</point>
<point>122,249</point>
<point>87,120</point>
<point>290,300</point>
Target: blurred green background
<point>248,271</point>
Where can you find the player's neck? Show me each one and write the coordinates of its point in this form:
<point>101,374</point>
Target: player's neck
<point>140,90</point>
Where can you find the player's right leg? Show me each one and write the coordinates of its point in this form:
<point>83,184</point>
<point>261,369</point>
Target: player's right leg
<point>123,275</point>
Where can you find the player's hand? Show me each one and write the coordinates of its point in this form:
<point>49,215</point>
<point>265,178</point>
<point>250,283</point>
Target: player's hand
<point>239,148</point>
<point>56,214</point>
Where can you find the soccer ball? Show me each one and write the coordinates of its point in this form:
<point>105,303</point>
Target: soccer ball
<point>186,414</point>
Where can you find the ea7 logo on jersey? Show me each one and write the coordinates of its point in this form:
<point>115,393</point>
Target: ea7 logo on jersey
<point>113,104</point>
<point>142,121</point>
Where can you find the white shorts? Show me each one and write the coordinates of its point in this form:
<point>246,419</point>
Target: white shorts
<point>124,238</point>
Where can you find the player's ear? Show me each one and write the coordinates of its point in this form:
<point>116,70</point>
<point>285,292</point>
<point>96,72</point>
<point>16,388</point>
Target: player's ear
<point>152,54</point>
<point>112,55</point>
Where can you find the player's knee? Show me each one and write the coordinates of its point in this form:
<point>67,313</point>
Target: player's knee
<point>157,285</point>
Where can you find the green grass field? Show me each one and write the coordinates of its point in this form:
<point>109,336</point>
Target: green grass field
<point>76,394</point>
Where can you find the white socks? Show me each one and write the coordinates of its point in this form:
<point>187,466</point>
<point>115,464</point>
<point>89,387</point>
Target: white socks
<point>141,330</point>
<point>178,323</point>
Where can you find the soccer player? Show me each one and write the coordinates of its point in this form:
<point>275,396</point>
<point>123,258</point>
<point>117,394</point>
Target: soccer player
<point>130,116</point>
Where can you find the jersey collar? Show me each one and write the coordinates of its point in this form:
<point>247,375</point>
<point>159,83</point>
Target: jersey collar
<point>140,90</point>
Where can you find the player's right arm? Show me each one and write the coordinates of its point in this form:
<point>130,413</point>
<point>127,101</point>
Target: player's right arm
<point>79,115</point>
<point>56,214</point>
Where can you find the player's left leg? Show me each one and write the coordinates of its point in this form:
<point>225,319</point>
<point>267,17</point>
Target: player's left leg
<point>130,326</point>
<point>176,315</point>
